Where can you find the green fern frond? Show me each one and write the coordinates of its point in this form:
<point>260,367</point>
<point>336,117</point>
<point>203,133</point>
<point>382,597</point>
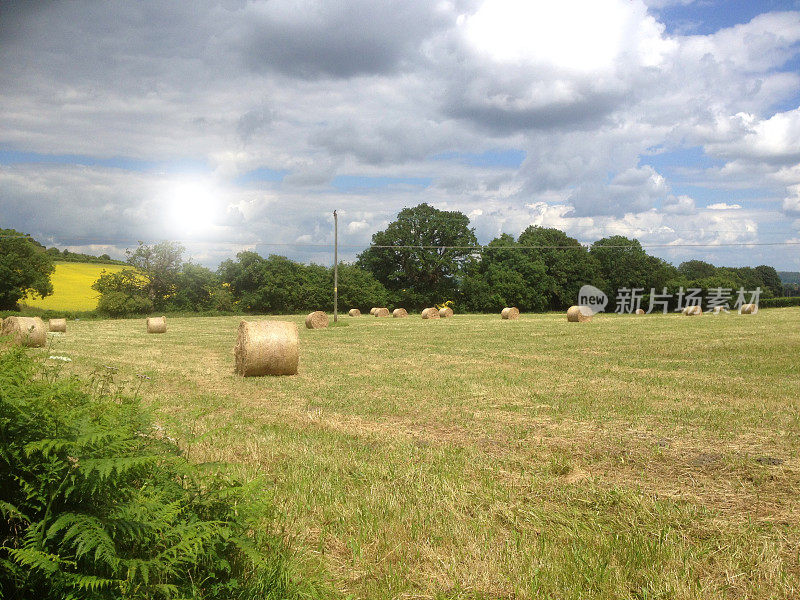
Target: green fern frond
<point>86,534</point>
<point>11,513</point>
<point>37,560</point>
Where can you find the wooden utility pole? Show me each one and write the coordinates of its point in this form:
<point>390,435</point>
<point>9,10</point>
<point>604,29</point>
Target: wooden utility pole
<point>335,267</point>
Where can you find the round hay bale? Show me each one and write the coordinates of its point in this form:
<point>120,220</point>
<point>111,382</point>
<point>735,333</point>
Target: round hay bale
<point>382,312</point>
<point>717,310</point>
<point>579,314</point>
<point>691,311</point>
<point>354,312</point>
<point>510,313</point>
<point>640,311</point>
<point>748,309</point>
<point>267,348</point>
<point>157,324</point>
<point>317,320</point>
<point>372,310</point>
<point>445,312</point>
<point>26,331</point>
<point>399,313</point>
<point>430,313</point>
<point>57,325</point>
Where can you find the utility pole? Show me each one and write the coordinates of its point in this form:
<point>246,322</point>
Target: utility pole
<point>335,267</point>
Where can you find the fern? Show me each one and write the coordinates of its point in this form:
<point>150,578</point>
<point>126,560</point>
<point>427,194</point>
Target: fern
<point>95,506</point>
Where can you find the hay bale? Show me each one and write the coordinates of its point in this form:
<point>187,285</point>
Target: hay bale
<point>157,324</point>
<point>691,311</point>
<point>25,331</point>
<point>267,348</point>
<point>430,313</point>
<point>717,310</point>
<point>445,312</point>
<point>372,310</point>
<point>317,320</point>
<point>579,314</point>
<point>748,309</point>
<point>354,312</point>
<point>510,313</point>
<point>399,313</point>
<point>382,312</point>
<point>57,325</point>
<point>640,311</point>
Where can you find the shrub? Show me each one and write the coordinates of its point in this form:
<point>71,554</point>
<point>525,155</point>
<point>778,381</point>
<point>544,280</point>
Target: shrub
<point>779,302</point>
<point>96,502</point>
<point>121,304</point>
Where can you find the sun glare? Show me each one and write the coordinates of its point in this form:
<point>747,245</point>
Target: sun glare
<point>193,207</point>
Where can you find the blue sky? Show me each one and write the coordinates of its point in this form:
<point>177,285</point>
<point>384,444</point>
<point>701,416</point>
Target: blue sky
<point>233,125</point>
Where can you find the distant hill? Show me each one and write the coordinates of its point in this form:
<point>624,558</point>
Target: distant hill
<point>789,277</point>
<point>77,257</point>
<point>72,286</point>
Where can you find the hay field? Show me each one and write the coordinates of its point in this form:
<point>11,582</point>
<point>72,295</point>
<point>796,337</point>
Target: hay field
<point>72,287</point>
<point>473,457</point>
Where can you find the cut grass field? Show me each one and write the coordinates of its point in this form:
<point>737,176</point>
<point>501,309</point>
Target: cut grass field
<point>72,287</point>
<point>629,457</point>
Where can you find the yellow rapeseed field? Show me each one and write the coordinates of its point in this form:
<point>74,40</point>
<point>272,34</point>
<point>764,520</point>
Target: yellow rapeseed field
<point>72,286</point>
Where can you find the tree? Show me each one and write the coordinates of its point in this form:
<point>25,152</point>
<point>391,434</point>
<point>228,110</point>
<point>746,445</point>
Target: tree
<point>161,264</point>
<point>358,288</point>
<point>506,276</point>
<point>697,269</point>
<point>24,267</point>
<point>429,251</point>
<point>625,264</point>
<point>122,293</point>
<point>770,280</point>
<point>569,265</point>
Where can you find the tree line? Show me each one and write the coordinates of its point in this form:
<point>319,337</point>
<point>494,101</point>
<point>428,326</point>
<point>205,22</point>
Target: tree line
<point>426,256</point>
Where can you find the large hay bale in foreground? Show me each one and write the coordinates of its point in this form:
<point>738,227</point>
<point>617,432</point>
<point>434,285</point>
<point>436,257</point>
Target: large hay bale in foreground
<point>317,320</point>
<point>510,313</point>
<point>445,312</point>
<point>399,313</point>
<point>57,325</point>
<point>267,348</point>
<point>693,310</point>
<point>579,314</point>
<point>25,331</point>
<point>640,311</point>
<point>748,309</point>
<point>372,310</point>
<point>430,313</point>
<point>157,324</point>
<point>382,312</point>
<point>354,312</point>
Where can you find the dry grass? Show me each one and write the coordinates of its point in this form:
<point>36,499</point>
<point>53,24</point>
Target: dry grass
<point>471,462</point>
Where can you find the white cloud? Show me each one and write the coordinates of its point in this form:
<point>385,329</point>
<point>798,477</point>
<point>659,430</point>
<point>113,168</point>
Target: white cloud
<point>723,206</point>
<point>584,88</point>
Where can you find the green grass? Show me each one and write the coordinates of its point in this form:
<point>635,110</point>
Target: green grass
<point>72,287</point>
<point>474,458</point>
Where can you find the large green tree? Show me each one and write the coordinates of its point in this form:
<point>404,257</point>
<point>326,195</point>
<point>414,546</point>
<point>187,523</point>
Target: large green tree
<point>506,276</point>
<point>569,265</point>
<point>422,255</point>
<point>24,268</point>
<point>625,265</point>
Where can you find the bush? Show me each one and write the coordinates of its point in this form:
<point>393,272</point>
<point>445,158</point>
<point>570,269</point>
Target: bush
<point>96,502</point>
<point>779,302</point>
<point>121,304</point>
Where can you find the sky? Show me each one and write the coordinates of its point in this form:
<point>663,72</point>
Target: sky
<point>242,125</point>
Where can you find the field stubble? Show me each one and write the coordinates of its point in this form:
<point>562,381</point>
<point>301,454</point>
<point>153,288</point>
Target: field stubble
<point>629,457</point>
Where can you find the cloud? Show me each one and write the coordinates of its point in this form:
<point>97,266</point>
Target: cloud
<point>273,102</point>
<point>723,206</point>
